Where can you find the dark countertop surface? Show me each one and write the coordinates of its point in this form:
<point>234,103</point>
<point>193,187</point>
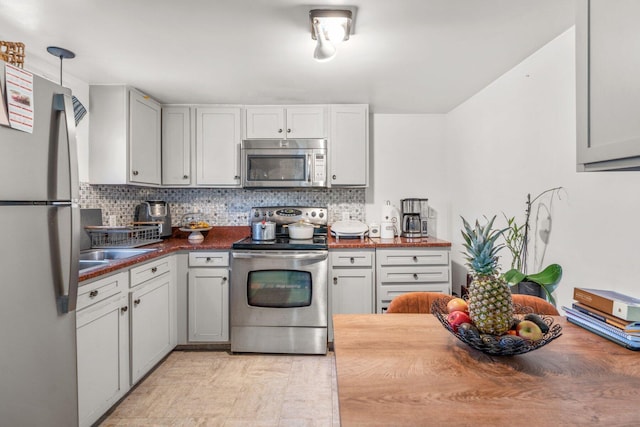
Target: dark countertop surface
<point>221,238</point>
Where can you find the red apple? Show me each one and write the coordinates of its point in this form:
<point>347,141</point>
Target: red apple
<point>457,304</point>
<point>456,318</point>
<point>529,330</point>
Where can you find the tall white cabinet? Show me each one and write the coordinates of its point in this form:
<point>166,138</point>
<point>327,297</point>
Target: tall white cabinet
<point>349,145</point>
<point>177,144</point>
<point>218,137</point>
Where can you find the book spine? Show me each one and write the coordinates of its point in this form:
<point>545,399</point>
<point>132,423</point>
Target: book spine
<point>612,320</point>
<point>592,300</point>
<point>603,326</point>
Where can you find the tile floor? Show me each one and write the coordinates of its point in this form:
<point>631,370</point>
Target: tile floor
<point>214,388</point>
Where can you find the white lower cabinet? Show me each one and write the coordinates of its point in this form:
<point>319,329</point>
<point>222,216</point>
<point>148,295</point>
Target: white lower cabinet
<point>402,270</point>
<point>102,330</point>
<point>153,315</point>
<point>351,283</point>
<point>208,297</point>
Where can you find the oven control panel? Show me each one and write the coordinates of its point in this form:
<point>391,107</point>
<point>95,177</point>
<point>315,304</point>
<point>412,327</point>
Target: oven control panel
<point>290,214</point>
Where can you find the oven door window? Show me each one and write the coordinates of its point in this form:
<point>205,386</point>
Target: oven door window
<point>279,288</point>
<point>277,168</point>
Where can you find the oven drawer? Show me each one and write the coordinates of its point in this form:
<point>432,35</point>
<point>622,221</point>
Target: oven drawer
<point>148,271</point>
<point>412,257</point>
<point>407,275</point>
<point>351,259</point>
<point>208,259</point>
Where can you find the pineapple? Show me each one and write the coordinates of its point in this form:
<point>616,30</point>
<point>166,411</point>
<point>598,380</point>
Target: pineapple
<point>490,303</point>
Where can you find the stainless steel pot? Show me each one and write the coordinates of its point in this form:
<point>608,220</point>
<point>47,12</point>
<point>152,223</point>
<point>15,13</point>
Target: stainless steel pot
<point>265,230</point>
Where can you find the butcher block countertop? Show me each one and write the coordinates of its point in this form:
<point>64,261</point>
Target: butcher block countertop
<point>408,370</point>
<point>222,237</point>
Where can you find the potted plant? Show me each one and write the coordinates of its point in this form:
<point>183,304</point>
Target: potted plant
<point>516,237</point>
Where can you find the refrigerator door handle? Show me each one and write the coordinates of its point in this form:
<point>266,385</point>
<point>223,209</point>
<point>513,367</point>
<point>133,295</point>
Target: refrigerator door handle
<point>63,102</point>
<point>69,279</point>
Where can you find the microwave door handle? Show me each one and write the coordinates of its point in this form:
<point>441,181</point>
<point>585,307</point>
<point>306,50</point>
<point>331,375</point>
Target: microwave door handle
<point>309,168</point>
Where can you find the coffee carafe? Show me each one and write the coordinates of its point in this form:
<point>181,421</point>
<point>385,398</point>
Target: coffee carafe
<point>413,221</point>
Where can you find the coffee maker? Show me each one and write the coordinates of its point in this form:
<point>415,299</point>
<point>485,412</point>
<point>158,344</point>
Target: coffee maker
<point>414,217</point>
<point>155,211</point>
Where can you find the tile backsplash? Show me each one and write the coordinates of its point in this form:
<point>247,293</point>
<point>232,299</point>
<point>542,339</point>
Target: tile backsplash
<point>221,206</point>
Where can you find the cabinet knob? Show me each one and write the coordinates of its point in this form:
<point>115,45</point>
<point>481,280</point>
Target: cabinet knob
<point>236,177</point>
<point>335,280</point>
<point>279,130</point>
<point>415,276</point>
<point>154,269</point>
<point>415,259</point>
<point>288,130</point>
<point>134,173</point>
<point>136,301</point>
<point>124,309</point>
<point>334,177</point>
<point>93,294</point>
<point>224,279</point>
<point>185,176</point>
<point>352,260</point>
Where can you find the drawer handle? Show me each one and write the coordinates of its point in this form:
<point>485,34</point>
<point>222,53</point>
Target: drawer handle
<point>335,280</point>
<point>135,173</point>
<point>352,259</point>
<point>154,269</point>
<point>279,130</point>
<point>288,130</point>
<point>124,309</point>
<point>185,176</point>
<point>136,301</point>
<point>93,294</point>
<point>415,259</point>
<point>415,276</point>
<point>224,279</point>
<point>208,259</point>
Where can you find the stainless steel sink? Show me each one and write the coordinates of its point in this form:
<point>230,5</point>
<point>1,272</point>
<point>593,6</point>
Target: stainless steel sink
<point>94,258</point>
<point>111,254</point>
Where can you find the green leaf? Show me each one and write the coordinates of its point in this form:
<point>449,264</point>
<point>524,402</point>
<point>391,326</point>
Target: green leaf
<point>548,277</point>
<point>513,276</point>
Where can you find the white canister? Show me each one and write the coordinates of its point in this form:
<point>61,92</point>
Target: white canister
<point>374,230</point>
<point>387,230</point>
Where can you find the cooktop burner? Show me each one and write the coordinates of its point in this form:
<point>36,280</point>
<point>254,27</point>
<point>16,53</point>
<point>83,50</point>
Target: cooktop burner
<point>319,242</point>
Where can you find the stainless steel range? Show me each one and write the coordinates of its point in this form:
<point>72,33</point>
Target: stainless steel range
<point>279,285</point>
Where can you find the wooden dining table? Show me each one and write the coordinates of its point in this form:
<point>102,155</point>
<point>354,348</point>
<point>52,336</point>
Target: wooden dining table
<point>408,370</point>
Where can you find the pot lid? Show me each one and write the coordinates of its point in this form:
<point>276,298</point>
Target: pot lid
<point>349,227</point>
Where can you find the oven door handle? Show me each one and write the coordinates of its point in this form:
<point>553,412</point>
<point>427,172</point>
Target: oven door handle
<point>280,255</point>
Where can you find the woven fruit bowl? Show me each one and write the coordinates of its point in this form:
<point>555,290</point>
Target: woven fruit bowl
<point>498,345</point>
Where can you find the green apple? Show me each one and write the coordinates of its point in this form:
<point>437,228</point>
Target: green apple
<point>528,330</point>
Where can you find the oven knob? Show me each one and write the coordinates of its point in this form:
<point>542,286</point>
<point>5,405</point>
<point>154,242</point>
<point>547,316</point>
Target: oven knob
<point>257,214</point>
<point>313,214</point>
<point>270,213</point>
<point>321,215</point>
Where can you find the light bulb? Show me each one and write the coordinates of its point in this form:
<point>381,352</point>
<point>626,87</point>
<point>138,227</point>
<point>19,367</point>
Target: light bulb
<point>325,50</point>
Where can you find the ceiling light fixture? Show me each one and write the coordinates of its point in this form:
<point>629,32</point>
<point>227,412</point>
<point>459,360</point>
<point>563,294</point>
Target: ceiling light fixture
<point>329,27</point>
<point>62,53</point>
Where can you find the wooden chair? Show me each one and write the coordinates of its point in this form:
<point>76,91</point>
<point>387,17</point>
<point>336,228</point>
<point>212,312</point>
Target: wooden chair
<point>414,302</point>
<point>539,305</point>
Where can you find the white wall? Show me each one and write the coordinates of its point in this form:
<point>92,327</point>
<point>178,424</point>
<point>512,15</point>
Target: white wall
<point>517,136</point>
<point>407,161</point>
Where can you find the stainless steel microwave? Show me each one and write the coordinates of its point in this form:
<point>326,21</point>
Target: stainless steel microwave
<point>284,163</point>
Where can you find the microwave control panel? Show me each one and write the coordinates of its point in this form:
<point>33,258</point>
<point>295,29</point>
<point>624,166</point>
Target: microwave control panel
<point>320,168</point>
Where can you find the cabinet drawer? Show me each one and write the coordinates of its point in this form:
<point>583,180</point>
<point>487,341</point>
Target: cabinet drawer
<point>101,289</point>
<point>410,275</point>
<point>208,259</point>
<point>387,293</point>
<point>148,271</point>
<point>413,257</point>
<point>351,259</point>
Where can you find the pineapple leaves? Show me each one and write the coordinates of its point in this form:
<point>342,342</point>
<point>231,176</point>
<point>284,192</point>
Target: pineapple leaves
<point>480,244</point>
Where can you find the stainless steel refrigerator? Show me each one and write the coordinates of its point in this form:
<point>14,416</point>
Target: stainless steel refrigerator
<point>39,237</point>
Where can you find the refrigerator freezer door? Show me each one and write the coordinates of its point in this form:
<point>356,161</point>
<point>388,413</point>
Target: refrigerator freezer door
<point>38,351</point>
<point>41,165</point>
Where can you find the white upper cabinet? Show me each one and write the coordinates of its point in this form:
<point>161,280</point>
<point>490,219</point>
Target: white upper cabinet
<point>124,136</point>
<point>349,145</point>
<point>218,137</point>
<point>176,146</point>
<point>281,122</point>
<point>608,85</point>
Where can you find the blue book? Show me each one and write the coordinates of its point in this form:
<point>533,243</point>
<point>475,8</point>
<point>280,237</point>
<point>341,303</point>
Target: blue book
<point>602,329</point>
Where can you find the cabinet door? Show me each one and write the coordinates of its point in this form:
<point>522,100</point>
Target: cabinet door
<point>350,292</point>
<point>608,84</point>
<point>176,146</point>
<point>264,122</point>
<point>103,357</point>
<point>306,122</point>
<point>144,139</point>
<point>218,146</point>
<point>349,145</point>
<point>151,319</point>
<point>208,304</point>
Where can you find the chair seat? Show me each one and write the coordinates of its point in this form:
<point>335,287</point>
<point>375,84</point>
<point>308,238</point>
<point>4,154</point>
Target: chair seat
<point>414,302</point>
<point>539,305</point>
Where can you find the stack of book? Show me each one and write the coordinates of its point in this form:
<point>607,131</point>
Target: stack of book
<point>609,314</point>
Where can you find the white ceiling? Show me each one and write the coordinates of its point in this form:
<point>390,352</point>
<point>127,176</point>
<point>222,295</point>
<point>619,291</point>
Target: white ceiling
<point>406,56</point>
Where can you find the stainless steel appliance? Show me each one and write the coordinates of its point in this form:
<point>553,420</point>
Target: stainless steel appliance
<point>279,287</point>
<point>284,163</point>
<point>155,211</point>
<point>39,258</point>
<point>414,217</point>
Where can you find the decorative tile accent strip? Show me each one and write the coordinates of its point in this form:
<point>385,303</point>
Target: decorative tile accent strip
<point>220,206</point>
